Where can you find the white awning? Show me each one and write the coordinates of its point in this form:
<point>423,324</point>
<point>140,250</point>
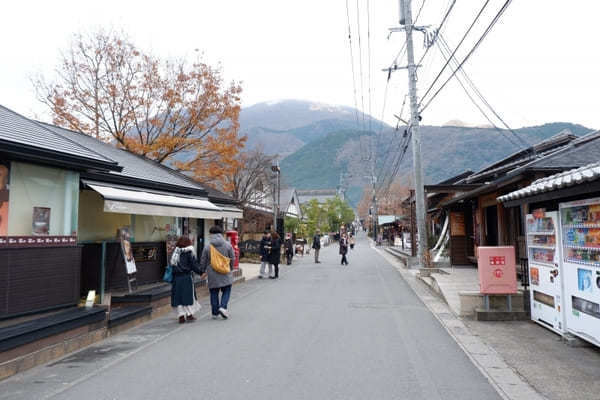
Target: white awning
<point>230,211</point>
<point>131,201</point>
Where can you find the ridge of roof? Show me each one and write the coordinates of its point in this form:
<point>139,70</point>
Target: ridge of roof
<point>84,152</point>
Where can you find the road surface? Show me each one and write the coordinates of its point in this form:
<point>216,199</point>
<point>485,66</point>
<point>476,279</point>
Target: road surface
<point>322,331</point>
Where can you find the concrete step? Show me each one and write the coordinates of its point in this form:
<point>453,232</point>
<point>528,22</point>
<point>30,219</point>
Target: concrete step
<point>500,315</point>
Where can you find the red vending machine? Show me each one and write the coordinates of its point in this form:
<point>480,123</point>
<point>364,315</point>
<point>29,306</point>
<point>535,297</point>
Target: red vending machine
<point>232,236</point>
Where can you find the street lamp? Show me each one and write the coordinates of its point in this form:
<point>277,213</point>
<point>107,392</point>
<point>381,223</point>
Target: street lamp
<point>276,200</point>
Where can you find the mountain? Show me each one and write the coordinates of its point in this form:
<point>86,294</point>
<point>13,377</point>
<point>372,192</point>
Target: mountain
<point>318,142</point>
<point>283,127</point>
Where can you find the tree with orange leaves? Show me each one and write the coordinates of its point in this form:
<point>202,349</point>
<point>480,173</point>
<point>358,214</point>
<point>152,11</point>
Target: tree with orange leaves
<point>175,112</point>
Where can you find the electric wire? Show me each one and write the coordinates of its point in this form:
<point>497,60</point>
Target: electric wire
<point>462,72</point>
<point>442,50</point>
<point>369,59</point>
<point>362,91</point>
<point>469,54</point>
<point>456,49</point>
<point>352,65</point>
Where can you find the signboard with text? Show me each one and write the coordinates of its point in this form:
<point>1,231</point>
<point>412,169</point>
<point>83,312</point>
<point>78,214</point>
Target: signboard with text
<point>497,269</point>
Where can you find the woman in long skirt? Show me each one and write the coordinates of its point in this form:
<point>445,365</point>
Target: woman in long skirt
<point>183,294</point>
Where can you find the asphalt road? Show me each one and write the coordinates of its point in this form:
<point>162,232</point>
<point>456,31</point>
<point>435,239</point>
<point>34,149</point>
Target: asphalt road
<point>322,331</point>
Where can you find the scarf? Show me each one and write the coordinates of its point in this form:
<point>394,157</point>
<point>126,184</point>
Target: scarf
<point>178,251</point>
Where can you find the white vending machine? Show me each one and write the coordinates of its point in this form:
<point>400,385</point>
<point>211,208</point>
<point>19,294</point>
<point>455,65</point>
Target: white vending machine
<point>545,270</point>
<point>580,225</point>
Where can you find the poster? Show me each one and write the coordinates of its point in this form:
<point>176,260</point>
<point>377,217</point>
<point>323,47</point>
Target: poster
<point>41,221</point>
<point>534,276</point>
<point>457,224</point>
<point>4,174</point>
<point>171,241</point>
<point>584,280</point>
<point>124,235</point>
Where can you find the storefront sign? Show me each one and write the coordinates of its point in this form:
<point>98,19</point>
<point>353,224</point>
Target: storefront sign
<point>457,224</point>
<point>37,241</point>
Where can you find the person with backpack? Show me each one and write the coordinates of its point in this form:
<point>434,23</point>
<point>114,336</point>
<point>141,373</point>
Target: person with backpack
<point>183,292</point>
<point>217,261</point>
<point>275,254</point>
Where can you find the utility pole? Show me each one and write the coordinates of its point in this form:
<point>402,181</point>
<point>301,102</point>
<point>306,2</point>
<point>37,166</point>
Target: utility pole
<point>276,194</point>
<point>374,190</point>
<point>406,20</point>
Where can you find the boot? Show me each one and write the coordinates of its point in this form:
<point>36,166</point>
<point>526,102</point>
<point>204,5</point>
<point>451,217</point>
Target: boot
<point>182,319</point>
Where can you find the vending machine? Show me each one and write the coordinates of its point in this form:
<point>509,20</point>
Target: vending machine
<point>580,225</point>
<point>545,273</point>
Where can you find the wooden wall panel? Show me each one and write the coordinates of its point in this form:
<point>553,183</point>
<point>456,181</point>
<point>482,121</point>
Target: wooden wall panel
<point>35,279</point>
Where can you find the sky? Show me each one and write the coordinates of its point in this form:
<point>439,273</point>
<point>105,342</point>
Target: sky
<point>539,64</point>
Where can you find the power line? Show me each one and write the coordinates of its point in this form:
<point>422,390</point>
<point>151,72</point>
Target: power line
<point>455,50</point>
<point>485,33</point>
<point>362,91</point>
<point>473,100</point>
<point>439,29</point>
<point>369,58</point>
<point>444,46</point>
<point>352,65</point>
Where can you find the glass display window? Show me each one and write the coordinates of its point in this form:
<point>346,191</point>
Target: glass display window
<point>43,201</point>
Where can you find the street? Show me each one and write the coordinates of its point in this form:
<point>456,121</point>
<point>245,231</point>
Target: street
<point>322,331</point>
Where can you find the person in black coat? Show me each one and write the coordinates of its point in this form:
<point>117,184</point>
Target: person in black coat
<point>289,249</point>
<point>344,248</point>
<point>317,245</point>
<point>183,293</point>
<point>275,254</point>
<point>265,244</point>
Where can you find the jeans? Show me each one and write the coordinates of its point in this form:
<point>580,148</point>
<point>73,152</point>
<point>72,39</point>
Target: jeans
<point>263,269</point>
<point>317,255</point>
<point>276,270</point>
<point>214,298</point>
<point>344,259</point>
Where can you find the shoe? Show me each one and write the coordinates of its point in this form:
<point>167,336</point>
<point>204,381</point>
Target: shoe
<point>190,318</point>
<point>224,313</point>
<point>182,319</point>
<point>215,316</point>
<point>272,277</point>
<point>260,277</point>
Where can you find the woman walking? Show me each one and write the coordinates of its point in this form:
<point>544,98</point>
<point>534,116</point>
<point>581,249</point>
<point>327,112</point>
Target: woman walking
<point>289,249</point>
<point>275,254</point>
<point>183,292</point>
<point>265,243</point>
<point>217,281</point>
<point>352,241</point>
<point>344,248</point>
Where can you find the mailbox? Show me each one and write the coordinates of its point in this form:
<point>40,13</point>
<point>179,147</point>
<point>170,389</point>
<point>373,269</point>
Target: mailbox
<point>497,270</point>
<point>232,236</point>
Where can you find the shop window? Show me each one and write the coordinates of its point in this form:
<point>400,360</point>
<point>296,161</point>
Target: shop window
<point>41,201</point>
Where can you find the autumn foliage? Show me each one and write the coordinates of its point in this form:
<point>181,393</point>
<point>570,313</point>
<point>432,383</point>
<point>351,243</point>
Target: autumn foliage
<point>175,112</point>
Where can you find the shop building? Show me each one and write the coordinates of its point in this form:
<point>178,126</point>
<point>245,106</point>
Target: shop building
<point>63,198</point>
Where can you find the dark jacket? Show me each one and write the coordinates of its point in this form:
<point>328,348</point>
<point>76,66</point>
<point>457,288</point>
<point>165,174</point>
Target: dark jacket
<point>264,253</point>
<point>182,289</point>
<point>289,246</point>
<point>275,254</point>
<point>316,242</point>
<point>215,279</point>
<point>343,246</point>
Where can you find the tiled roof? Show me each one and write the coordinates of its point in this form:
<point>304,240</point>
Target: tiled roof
<point>572,177</point>
<point>134,166</point>
<point>17,129</point>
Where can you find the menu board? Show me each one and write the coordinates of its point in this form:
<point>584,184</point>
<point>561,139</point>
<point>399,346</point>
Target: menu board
<point>457,224</point>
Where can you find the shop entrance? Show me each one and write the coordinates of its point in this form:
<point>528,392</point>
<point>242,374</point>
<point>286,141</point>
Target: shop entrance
<point>491,226</point>
<point>199,237</point>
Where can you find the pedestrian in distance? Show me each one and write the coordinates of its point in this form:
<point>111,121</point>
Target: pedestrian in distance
<point>217,260</point>
<point>265,244</point>
<point>289,249</point>
<point>183,291</point>
<point>344,248</point>
<point>317,245</point>
<point>352,241</point>
<point>275,254</point>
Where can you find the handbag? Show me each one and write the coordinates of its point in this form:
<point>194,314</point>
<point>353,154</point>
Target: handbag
<point>218,261</point>
<point>168,276</point>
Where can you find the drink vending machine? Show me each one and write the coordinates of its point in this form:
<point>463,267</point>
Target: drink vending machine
<point>545,273</point>
<point>580,223</point>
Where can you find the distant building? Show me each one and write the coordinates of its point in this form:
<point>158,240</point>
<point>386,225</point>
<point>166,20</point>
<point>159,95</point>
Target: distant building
<point>321,195</point>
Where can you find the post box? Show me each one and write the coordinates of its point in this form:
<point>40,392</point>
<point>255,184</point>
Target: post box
<point>232,236</point>
<point>497,270</point>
